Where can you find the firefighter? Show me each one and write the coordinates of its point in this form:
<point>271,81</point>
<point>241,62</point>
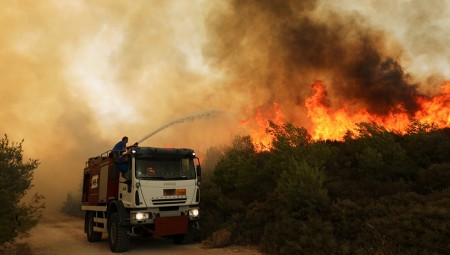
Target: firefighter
<point>121,146</point>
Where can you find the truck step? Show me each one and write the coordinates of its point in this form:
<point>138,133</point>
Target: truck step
<point>100,220</point>
<point>98,229</point>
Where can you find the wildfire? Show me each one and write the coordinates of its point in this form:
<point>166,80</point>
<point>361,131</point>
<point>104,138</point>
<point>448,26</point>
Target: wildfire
<point>437,109</point>
<point>261,139</point>
<point>329,123</point>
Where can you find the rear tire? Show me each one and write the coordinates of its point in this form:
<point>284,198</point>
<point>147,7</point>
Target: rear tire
<point>118,236</point>
<point>92,235</point>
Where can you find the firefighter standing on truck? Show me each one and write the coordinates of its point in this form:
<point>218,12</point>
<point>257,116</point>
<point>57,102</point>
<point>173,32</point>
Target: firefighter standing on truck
<point>121,146</point>
<point>116,154</point>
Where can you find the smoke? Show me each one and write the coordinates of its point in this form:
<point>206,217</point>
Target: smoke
<point>77,76</point>
<point>276,49</point>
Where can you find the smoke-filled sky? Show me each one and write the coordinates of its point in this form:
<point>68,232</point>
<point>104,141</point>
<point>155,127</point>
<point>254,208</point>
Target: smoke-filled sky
<point>76,76</point>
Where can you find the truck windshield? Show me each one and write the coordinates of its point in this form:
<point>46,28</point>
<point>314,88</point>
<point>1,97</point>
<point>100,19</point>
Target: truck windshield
<point>165,168</point>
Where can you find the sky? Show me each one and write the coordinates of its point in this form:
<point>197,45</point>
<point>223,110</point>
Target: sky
<point>76,76</point>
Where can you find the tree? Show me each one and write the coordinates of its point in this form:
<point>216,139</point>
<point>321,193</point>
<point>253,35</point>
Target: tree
<point>15,177</point>
<point>72,205</point>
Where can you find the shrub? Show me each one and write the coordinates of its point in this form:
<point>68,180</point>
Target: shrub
<point>16,175</point>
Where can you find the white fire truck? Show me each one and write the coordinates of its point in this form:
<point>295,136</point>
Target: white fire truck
<point>144,191</point>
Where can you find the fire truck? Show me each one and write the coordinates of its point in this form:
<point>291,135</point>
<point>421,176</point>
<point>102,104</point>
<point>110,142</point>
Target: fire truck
<point>144,191</point>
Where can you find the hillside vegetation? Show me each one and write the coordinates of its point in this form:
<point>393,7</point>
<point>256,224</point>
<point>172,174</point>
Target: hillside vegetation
<point>375,192</point>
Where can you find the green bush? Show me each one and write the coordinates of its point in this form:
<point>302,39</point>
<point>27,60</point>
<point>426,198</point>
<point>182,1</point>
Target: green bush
<point>287,235</point>
<point>302,191</point>
<point>435,178</point>
<point>18,216</point>
<point>368,194</point>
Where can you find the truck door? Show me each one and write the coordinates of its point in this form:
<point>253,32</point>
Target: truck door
<point>126,181</point>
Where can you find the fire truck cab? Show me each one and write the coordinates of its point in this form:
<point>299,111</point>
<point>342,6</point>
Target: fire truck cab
<point>144,191</point>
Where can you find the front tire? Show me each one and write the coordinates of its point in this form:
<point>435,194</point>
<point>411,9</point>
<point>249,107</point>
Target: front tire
<point>118,236</point>
<point>92,235</point>
<point>192,236</point>
<point>178,239</point>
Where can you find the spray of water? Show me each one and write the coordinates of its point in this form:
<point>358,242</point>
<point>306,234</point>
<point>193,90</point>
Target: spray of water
<point>205,115</point>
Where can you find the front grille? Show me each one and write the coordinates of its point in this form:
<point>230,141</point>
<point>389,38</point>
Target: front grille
<point>169,201</point>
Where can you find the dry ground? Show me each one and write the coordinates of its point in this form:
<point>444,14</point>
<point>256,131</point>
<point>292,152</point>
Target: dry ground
<point>58,234</point>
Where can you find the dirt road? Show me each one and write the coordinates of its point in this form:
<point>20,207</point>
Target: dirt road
<point>58,234</point>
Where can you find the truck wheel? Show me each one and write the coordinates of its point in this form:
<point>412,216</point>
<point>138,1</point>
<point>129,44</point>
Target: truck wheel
<point>118,236</point>
<point>92,235</point>
<point>193,235</point>
<point>178,239</point>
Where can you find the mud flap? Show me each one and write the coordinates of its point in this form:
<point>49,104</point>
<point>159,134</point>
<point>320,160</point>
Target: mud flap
<point>168,226</point>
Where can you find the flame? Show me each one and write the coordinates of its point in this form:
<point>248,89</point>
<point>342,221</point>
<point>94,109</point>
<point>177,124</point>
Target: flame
<point>333,124</point>
<point>437,109</point>
<point>257,126</point>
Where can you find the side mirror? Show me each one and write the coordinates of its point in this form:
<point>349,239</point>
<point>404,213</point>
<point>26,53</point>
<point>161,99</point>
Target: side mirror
<point>199,171</point>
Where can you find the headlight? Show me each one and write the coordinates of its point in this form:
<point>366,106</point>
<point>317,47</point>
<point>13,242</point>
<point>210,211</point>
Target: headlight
<point>193,213</point>
<point>140,216</point>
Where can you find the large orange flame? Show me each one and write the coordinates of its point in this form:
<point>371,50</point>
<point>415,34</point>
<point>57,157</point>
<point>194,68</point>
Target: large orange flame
<point>327,123</point>
<point>436,110</point>
<point>257,126</point>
